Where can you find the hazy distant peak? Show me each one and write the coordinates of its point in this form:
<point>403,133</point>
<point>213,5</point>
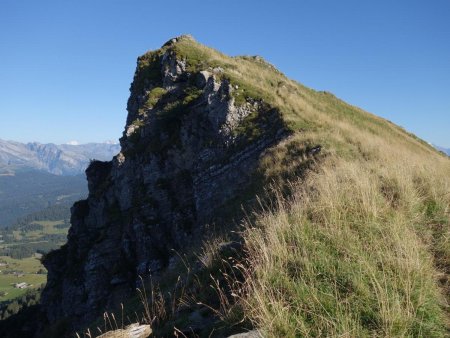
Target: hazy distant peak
<point>71,158</point>
<point>77,143</point>
<point>444,150</point>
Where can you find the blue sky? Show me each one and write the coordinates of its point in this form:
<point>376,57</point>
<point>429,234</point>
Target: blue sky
<point>66,66</point>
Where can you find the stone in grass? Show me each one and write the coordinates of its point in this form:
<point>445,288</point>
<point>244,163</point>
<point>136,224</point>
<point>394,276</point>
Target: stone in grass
<point>131,331</point>
<point>249,334</point>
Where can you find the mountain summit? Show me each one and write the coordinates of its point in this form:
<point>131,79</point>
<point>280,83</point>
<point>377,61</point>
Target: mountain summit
<point>190,150</point>
<point>343,237</point>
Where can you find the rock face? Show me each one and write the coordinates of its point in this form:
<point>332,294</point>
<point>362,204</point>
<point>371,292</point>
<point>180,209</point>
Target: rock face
<point>187,151</point>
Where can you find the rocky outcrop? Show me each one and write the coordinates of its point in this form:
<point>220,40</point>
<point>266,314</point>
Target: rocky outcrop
<point>187,152</point>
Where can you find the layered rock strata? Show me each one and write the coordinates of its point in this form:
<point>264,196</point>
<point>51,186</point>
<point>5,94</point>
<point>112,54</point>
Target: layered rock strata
<point>187,151</point>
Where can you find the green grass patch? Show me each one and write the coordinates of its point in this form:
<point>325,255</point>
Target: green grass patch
<point>28,267</point>
<point>154,95</point>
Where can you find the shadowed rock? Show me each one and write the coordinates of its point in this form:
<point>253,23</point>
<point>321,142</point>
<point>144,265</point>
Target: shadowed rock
<point>188,151</point>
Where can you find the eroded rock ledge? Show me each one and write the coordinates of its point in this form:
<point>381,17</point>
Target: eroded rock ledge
<point>188,150</point>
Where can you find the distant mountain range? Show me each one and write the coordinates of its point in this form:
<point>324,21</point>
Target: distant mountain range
<point>34,176</point>
<point>63,159</point>
<point>444,150</point>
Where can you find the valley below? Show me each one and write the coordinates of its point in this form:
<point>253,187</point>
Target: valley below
<point>38,185</point>
<point>22,246</point>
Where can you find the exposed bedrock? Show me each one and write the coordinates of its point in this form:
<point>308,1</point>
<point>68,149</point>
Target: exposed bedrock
<point>187,150</point>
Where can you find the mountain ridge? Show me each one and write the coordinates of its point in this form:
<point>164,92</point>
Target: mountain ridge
<point>336,203</point>
<point>183,162</point>
<point>63,159</point>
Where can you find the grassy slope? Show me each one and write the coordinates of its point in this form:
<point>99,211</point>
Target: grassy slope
<point>358,251</point>
<point>362,248</point>
<point>361,245</point>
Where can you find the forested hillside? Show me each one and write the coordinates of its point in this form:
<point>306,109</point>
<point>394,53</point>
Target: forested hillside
<point>25,191</point>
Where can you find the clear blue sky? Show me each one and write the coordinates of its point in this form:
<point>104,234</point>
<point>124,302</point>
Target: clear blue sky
<point>66,66</point>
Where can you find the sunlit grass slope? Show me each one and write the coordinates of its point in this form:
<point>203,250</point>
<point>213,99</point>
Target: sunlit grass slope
<point>361,249</point>
<point>360,246</point>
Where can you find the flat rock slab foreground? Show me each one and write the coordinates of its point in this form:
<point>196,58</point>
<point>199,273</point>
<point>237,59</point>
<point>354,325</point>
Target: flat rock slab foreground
<point>250,334</point>
<point>131,331</point>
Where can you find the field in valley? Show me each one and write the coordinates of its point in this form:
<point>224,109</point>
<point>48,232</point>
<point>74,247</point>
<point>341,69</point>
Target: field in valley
<point>35,236</point>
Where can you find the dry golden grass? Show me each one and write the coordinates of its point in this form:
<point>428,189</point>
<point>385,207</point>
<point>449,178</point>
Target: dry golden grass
<point>361,246</point>
<point>357,250</point>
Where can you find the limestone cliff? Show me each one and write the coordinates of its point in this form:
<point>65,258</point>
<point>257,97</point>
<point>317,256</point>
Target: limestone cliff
<point>190,148</point>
